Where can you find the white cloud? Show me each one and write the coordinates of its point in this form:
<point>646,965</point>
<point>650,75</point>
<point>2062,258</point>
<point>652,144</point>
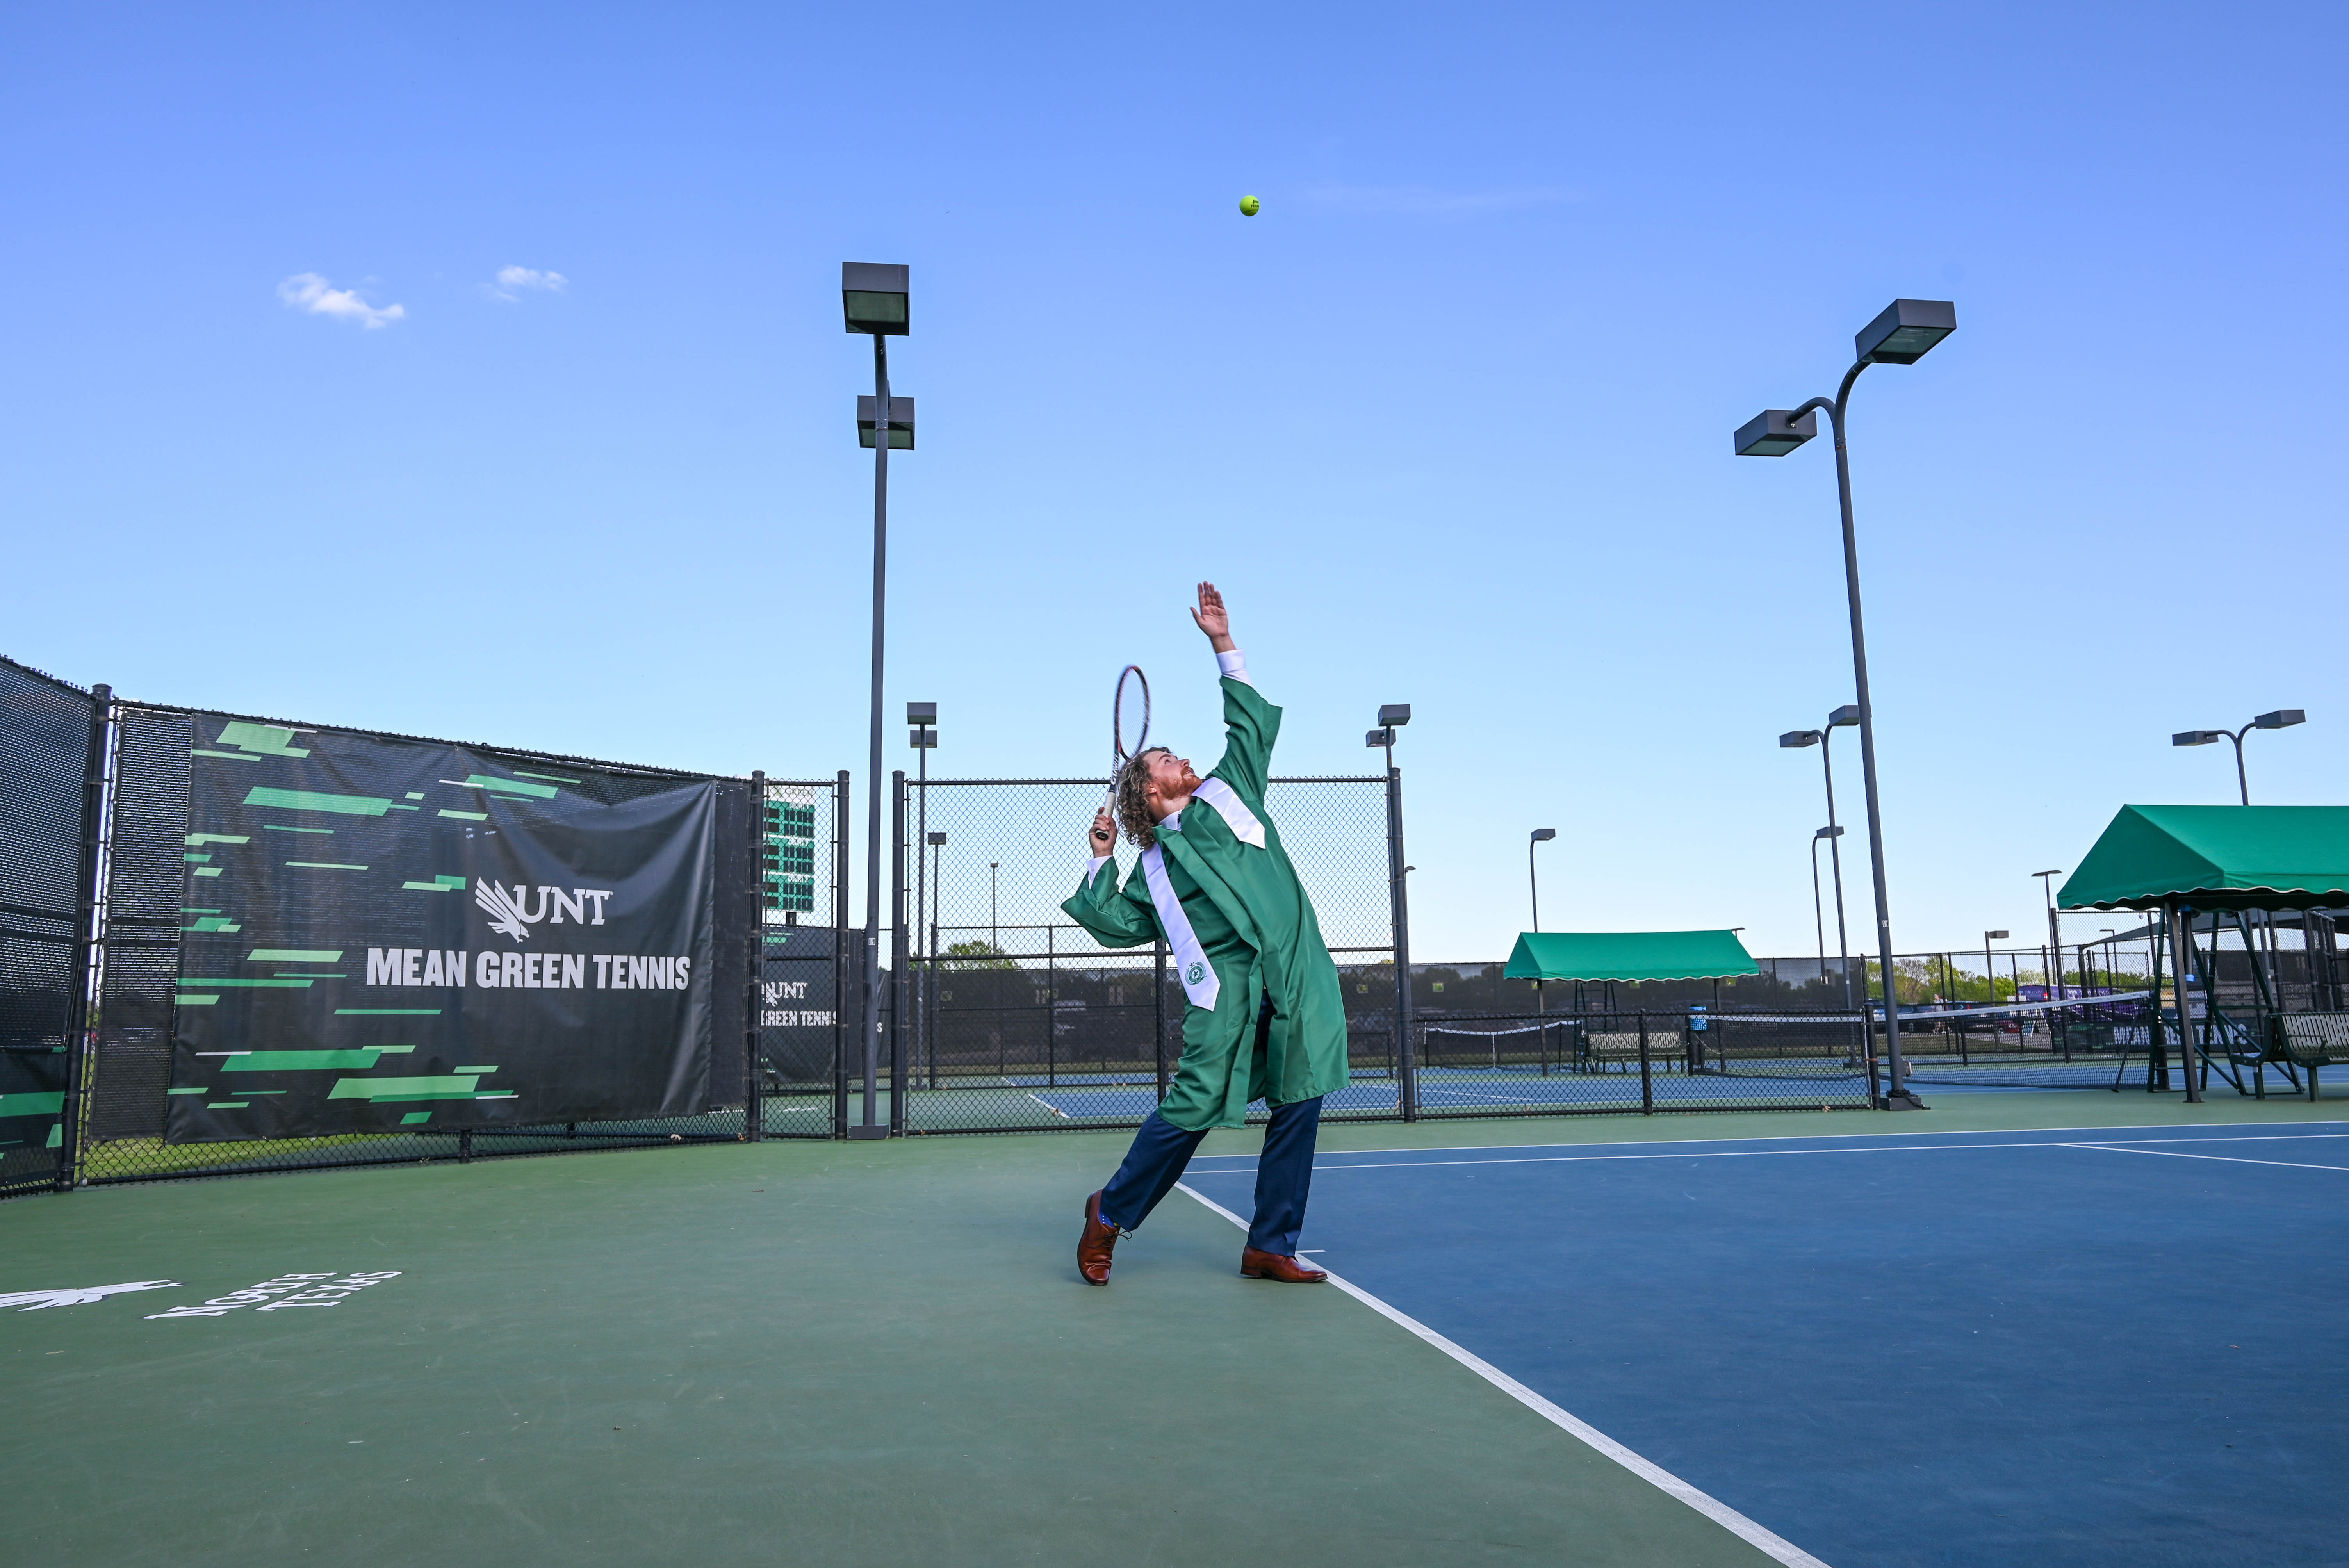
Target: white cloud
<point>1423,202</point>
<point>513,279</point>
<point>311,294</point>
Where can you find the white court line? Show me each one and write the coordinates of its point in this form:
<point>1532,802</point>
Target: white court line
<point>2175,1154</point>
<point>1776,1546</point>
<point>1048,1105</point>
<point>1780,1153</point>
<point>1755,1153</point>
<point>1810,1137</point>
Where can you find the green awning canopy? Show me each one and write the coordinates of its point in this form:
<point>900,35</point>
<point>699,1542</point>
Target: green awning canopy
<point>1629,955</point>
<point>2217,857</point>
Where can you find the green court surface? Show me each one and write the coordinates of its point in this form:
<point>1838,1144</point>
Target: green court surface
<point>805,1353</point>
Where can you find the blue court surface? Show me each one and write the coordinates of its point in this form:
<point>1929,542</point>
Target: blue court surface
<point>2115,1346</point>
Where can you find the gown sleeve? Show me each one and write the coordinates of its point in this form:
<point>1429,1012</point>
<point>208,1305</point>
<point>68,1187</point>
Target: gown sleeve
<point>1250,726</point>
<point>1104,909</point>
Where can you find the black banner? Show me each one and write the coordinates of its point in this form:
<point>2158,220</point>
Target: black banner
<point>383,935</point>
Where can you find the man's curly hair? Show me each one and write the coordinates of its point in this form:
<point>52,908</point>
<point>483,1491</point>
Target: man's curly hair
<point>1134,799</point>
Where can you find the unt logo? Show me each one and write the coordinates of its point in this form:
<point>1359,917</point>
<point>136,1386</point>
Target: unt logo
<point>35,1300</point>
<point>513,914</point>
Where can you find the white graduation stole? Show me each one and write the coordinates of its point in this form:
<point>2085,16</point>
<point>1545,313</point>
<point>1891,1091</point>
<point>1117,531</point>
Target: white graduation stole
<point>1232,809</point>
<point>1191,966</point>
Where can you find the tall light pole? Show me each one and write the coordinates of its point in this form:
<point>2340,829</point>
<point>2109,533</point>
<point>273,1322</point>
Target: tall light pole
<point>1818,920</point>
<point>994,910</point>
<point>1541,836</point>
<point>1393,716</point>
<point>1990,964</point>
<point>2055,941</point>
<point>2282,718</point>
<point>1905,333</point>
<point>1843,718</point>
<point>875,299</point>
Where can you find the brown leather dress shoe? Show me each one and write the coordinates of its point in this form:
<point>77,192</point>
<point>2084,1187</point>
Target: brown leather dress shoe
<point>1094,1243</point>
<point>1254,1264</point>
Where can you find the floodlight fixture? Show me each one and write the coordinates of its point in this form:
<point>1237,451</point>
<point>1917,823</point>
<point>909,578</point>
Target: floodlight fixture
<point>1828,833</point>
<point>1794,739</point>
<point>1774,432</point>
<point>1544,835</point>
<point>1905,331</point>
<point>901,423</point>
<point>936,839</point>
<point>2282,718</point>
<point>1844,717</point>
<point>1393,714</point>
<point>921,713</point>
<point>2197,736</point>
<point>1378,737</point>
<point>874,297</point>
<point>1995,936</point>
<point>2057,871</point>
<point>923,738</point>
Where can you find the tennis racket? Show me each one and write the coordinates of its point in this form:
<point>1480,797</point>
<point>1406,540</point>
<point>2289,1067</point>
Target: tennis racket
<point>1129,724</point>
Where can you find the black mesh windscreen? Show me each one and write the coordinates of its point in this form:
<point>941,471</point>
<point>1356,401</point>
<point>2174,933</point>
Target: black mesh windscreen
<point>45,728</point>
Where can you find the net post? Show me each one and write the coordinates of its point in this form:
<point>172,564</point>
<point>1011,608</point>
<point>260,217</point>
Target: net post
<point>753,1118</point>
<point>90,934</point>
<point>1647,1077</point>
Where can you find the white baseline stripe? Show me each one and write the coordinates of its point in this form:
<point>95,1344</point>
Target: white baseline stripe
<point>1048,1105</point>
<point>2225,1159</point>
<point>1801,1137</point>
<point>1774,1545</point>
<point>1763,1153</point>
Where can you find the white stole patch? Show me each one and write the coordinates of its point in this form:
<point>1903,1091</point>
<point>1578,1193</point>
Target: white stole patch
<point>1191,966</point>
<point>1232,809</point>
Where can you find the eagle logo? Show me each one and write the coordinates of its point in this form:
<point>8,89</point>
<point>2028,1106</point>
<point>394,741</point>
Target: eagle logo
<point>35,1300</point>
<point>1194,975</point>
<point>504,908</point>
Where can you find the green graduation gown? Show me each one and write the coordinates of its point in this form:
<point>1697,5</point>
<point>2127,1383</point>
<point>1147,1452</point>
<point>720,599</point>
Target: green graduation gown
<point>1250,913</point>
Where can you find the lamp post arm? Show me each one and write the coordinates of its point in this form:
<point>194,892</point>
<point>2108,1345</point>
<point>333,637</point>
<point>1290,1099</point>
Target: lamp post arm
<point>2242,780</point>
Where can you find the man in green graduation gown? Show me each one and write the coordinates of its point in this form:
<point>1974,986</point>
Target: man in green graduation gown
<point>1267,1018</point>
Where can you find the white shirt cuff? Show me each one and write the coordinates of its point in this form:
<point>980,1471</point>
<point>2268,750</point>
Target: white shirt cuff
<point>1093,866</point>
<point>1235,665</point>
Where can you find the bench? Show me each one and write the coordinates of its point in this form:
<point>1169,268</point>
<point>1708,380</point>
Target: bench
<point>2310,1041</point>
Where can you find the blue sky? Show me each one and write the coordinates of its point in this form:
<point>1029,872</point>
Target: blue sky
<point>1449,420</point>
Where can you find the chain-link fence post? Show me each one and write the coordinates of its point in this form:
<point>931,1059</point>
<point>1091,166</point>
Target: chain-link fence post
<point>1399,898</point>
<point>1158,1008</point>
<point>840,966</point>
<point>89,930</point>
<point>900,982</point>
<point>754,971</point>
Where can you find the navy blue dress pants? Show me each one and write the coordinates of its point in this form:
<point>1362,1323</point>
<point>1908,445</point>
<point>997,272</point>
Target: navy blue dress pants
<point>1284,1174</point>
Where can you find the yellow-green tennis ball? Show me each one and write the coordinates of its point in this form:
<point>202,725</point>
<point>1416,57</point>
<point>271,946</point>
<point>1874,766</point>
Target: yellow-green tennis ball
<point>1250,206</point>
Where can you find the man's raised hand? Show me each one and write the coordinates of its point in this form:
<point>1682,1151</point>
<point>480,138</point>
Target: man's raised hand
<point>1102,835</point>
<point>1212,618</point>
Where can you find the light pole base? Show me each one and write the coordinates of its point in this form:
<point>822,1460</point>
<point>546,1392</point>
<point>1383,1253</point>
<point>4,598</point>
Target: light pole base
<point>1905,1100</point>
<point>860,1134</point>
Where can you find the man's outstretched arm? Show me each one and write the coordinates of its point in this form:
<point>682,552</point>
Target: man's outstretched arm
<point>1250,723</point>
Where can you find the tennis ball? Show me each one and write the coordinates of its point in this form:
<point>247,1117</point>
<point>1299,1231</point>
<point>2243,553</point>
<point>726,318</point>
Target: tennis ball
<point>1250,206</point>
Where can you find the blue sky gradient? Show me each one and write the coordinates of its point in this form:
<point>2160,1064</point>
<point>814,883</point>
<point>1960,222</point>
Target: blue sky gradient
<point>1450,421</point>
